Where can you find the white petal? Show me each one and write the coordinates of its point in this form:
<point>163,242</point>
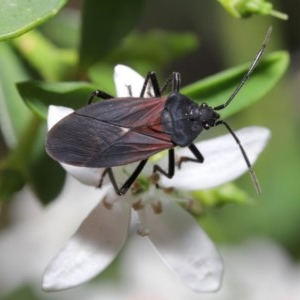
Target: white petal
<point>92,248</point>
<point>26,246</point>
<point>87,176</point>
<point>56,113</point>
<point>223,160</point>
<point>126,79</point>
<point>184,246</point>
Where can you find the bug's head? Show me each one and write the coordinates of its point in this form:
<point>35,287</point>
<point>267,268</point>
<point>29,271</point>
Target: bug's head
<point>208,116</point>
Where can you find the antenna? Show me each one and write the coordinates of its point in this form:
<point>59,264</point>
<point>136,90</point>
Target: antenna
<point>251,171</point>
<point>249,72</point>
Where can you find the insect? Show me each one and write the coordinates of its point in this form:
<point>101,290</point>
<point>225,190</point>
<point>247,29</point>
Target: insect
<point>120,131</point>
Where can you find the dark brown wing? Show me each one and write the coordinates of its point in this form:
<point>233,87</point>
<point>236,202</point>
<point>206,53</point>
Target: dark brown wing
<point>110,133</point>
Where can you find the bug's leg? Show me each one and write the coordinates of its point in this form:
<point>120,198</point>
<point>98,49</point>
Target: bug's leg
<point>198,156</point>
<point>171,166</point>
<point>129,90</point>
<point>174,80</point>
<point>109,172</point>
<point>124,188</point>
<point>152,78</point>
<point>99,94</point>
<point>132,177</point>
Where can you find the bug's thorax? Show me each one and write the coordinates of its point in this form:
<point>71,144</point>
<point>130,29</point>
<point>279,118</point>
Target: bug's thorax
<point>184,119</point>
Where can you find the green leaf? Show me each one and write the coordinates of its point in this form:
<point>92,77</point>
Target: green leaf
<point>102,75</point>
<point>14,115</point>
<point>20,16</point>
<point>39,95</point>
<point>14,166</point>
<point>51,62</point>
<point>11,181</point>
<point>213,90</point>
<point>29,163</point>
<point>47,185</point>
<point>216,89</point>
<point>39,168</point>
<point>104,24</point>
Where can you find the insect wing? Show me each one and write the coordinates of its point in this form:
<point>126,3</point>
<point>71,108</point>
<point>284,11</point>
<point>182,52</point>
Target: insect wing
<point>126,112</point>
<point>110,133</point>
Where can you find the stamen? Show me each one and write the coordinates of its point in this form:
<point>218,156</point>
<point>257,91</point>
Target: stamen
<point>168,190</point>
<point>154,178</point>
<point>157,207</point>
<point>138,205</point>
<point>107,204</point>
<point>143,232</point>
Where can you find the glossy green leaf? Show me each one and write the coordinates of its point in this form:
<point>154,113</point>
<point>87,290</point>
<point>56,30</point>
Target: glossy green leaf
<point>39,95</point>
<point>104,24</point>
<point>216,89</point>
<point>20,16</point>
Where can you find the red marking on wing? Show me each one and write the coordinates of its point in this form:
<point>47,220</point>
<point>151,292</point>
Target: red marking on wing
<point>110,133</point>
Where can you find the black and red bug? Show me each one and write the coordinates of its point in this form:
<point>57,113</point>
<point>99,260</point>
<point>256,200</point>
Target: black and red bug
<point>120,131</point>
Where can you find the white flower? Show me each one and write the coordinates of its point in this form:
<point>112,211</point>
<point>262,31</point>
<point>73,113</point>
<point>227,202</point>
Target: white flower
<point>258,269</point>
<point>255,270</point>
<point>177,237</point>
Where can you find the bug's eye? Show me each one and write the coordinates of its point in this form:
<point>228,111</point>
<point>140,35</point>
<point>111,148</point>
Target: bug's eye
<point>206,125</point>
